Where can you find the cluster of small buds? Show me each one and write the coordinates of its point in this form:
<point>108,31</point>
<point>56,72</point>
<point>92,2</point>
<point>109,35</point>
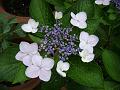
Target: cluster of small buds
<point>117,2</point>
<point>58,40</point>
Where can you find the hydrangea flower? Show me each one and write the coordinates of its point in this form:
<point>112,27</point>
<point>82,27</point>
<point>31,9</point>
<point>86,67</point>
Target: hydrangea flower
<point>61,67</point>
<point>104,2</point>
<point>58,15</point>
<point>27,51</point>
<point>31,26</point>
<point>87,42</point>
<point>86,56</point>
<point>79,20</point>
<point>41,68</point>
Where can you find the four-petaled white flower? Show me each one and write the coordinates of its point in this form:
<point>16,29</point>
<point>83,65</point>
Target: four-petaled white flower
<point>58,15</point>
<point>27,51</point>
<point>104,2</point>
<point>61,67</point>
<point>79,20</point>
<point>87,42</point>
<point>41,68</point>
<point>31,26</point>
<point>86,56</point>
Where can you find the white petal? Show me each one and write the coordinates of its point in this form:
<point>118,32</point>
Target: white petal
<point>82,25</point>
<point>35,30</point>
<point>24,47</point>
<point>32,71</point>
<point>19,56</point>
<point>61,73</point>
<point>106,2</point>
<point>27,60</point>
<point>37,60</point>
<point>45,75</point>
<point>73,16</point>
<point>82,45</point>
<point>88,58</point>
<point>47,63</point>
<point>93,40</point>
<point>33,48</point>
<point>65,66</point>
<point>58,15</point>
<point>88,48</point>
<point>26,28</point>
<point>62,66</point>
<point>33,23</point>
<point>99,2</point>
<point>74,22</point>
<point>81,16</point>
<point>84,36</point>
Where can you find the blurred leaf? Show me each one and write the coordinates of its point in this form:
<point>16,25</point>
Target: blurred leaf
<point>34,38</point>
<point>85,6</point>
<point>88,74</point>
<point>111,85</point>
<point>59,4</point>
<point>3,87</point>
<point>40,10</point>
<point>10,69</point>
<point>112,64</point>
<point>71,83</point>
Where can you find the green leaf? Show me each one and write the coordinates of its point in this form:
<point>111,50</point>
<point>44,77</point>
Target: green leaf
<point>59,4</point>
<point>71,83</point>
<point>86,6</point>
<point>110,85</point>
<point>88,74</point>
<point>112,64</point>
<point>10,69</point>
<point>40,10</point>
<point>34,38</point>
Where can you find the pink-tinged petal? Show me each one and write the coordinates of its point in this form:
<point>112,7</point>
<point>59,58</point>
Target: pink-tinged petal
<point>82,25</point>
<point>32,71</point>
<point>27,60</point>
<point>19,56</point>
<point>45,75</point>
<point>47,63</point>
<point>37,60</point>
<point>74,22</point>
<point>26,28</point>
<point>73,15</point>
<point>33,23</point>
<point>81,16</point>
<point>24,47</point>
<point>93,40</point>
<point>33,48</point>
<point>84,36</point>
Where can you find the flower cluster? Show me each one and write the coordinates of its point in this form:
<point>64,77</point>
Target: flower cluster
<point>87,42</point>
<point>57,40</point>
<point>36,65</point>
